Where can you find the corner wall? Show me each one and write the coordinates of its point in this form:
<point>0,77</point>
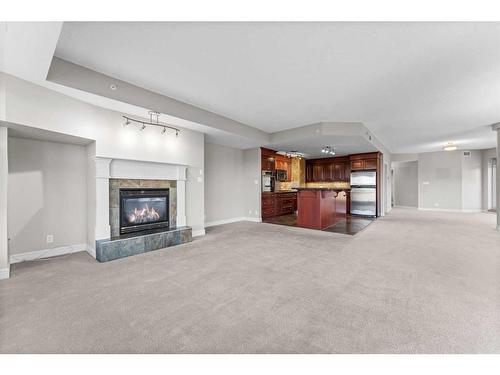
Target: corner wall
<point>406,184</point>
<point>47,195</point>
<point>4,173</point>
<point>232,184</point>
<point>448,180</point>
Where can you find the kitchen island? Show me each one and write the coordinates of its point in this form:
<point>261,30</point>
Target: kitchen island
<point>320,208</point>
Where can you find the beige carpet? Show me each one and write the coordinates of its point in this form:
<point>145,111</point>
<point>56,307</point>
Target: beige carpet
<point>411,282</point>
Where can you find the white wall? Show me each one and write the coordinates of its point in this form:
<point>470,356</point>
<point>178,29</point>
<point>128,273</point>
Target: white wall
<point>4,248</point>
<point>38,107</point>
<point>406,184</point>
<point>252,183</point>
<point>472,181</point>
<point>224,189</point>
<point>440,180</point>
<point>451,180</point>
<point>47,195</point>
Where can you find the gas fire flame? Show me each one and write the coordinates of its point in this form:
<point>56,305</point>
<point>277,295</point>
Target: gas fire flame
<point>144,215</point>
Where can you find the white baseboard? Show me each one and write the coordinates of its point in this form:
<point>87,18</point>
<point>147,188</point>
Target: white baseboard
<point>406,207</point>
<point>4,273</point>
<point>199,232</point>
<point>449,210</point>
<point>224,221</point>
<point>33,255</point>
<point>232,220</point>
<point>254,219</point>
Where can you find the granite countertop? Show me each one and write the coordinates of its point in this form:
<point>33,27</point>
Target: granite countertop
<point>279,191</point>
<point>324,188</point>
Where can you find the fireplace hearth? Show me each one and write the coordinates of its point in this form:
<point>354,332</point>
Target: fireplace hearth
<point>143,209</point>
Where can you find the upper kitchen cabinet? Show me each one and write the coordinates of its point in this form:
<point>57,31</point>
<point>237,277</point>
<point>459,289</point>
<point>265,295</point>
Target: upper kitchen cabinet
<point>284,163</point>
<point>328,169</point>
<point>362,162</point>
<point>268,159</point>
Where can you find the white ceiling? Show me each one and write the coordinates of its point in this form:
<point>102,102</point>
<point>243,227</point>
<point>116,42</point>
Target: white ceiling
<point>311,146</point>
<point>414,85</point>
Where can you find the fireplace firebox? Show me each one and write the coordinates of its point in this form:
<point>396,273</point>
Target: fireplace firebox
<point>143,209</point>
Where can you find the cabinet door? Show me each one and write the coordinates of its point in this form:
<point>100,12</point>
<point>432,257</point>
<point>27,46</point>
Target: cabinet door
<point>347,171</point>
<point>309,172</point>
<point>317,172</point>
<point>338,172</point>
<point>329,171</point>
<point>357,165</point>
<point>370,163</point>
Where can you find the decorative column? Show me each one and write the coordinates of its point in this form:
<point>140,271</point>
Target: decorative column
<point>496,127</point>
<point>102,228</point>
<point>181,196</point>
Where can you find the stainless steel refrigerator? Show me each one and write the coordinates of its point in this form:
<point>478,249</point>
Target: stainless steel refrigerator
<point>364,193</point>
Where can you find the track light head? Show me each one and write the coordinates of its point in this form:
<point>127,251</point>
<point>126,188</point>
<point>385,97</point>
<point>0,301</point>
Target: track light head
<point>143,127</point>
<point>164,130</point>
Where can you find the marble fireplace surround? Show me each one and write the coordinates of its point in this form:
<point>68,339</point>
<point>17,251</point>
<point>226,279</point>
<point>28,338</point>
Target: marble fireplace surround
<point>110,174</point>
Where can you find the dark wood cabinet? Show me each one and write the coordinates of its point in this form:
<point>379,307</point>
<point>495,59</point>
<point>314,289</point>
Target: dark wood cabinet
<point>276,204</point>
<point>361,162</point>
<point>309,171</point>
<point>328,169</point>
<point>371,164</point>
<point>357,165</point>
<point>286,203</point>
<point>284,163</point>
<point>317,172</point>
<point>268,205</point>
<point>268,159</point>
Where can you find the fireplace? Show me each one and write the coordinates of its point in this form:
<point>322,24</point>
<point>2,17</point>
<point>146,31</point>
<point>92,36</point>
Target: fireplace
<point>143,209</point>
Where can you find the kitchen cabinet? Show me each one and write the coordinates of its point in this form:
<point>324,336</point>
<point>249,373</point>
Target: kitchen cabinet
<point>268,205</point>
<point>286,203</point>
<point>268,159</point>
<point>361,162</point>
<point>357,165</point>
<point>284,163</point>
<point>317,172</point>
<point>328,170</point>
<point>276,204</point>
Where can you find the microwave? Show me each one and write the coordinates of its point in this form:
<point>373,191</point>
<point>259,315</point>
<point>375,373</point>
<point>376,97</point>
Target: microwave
<point>281,175</point>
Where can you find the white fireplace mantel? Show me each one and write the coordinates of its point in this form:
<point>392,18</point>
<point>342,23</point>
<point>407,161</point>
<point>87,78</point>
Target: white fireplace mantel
<point>106,168</point>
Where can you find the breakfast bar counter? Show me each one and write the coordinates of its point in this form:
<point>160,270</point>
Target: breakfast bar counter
<point>320,208</point>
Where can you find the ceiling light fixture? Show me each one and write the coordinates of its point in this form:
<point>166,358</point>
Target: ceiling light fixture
<point>328,150</point>
<point>153,120</point>
<point>450,146</point>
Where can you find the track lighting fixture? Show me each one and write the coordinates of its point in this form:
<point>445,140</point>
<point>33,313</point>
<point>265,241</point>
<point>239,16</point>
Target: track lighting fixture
<point>152,122</point>
<point>328,150</point>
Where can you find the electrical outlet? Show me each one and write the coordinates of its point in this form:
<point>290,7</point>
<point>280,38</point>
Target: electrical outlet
<point>50,238</point>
